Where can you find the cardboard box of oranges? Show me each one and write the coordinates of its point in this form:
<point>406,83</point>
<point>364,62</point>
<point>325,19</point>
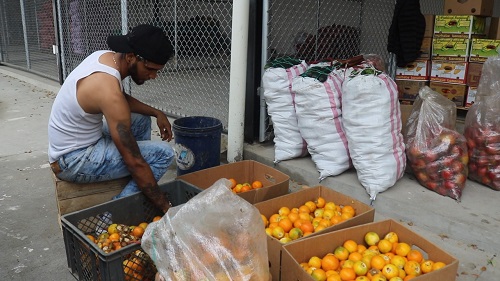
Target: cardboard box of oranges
<point>320,245</point>
<point>363,214</point>
<point>274,182</point>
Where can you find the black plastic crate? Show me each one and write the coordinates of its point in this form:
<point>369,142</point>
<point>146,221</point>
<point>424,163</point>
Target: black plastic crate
<point>87,261</point>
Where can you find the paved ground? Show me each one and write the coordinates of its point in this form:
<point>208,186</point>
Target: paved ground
<point>32,247</point>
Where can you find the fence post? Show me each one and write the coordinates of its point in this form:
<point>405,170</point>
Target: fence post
<point>237,83</point>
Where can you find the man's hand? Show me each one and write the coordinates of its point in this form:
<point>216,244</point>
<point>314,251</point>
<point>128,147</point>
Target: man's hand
<point>164,126</point>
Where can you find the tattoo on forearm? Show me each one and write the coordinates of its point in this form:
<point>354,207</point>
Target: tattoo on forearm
<point>127,138</point>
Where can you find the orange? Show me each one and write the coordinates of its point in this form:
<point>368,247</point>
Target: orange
<point>307,227</point>
<point>377,262</point>
<point>311,205</point>
<point>437,265</point>
<point>351,245</point>
<point>286,224</point>
<point>392,237</point>
<point>362,278</point>
<point>325,223</point>
<point>347,263</point>
<point>293,216</point>
<point>378,277</point>
<point>334,277</point>
<point>295,233</point>
<point>398,261</point>
<point>272,225</point>
<point>284,211</point>
<point>298,223</point>
<point>346,216</point>
<point>315,262</point>
<point>114,237</point>
<point>341,253</point>
<point>348,209</point>
<point>112,228</point>
<point>415,255</point>
<point>336,219</point>
<point>318,213</point>
<point>409,277</point>
<point>328,214</point>
<point>361,248</point>
<point>386,258</point>
<point>233,182</point>
<point>319,228</point>
<point>318,274</point>
<point>138,231</point>
<point>372,272</point>
<point>305,216</point>
<point>371,238</point>
<point>264,220</point>
<point>360,268</point>
<point>278,232</point>
<point>390,271</point>
<point>426,266</point>
<point>91,238</point>
<point>330,206</point>
<point>347,274</point>
<point>269,231</point>
<point>320,202</point>
<point>412,268</point>
<point>304,209</point>
<point>402,249</point>
<point>274,218</point>
<point>157,218</point>
<point>397,278</point>
<point>246,188</point>
<point>143,225</point>
<point>238,188</point>
<point>384,246</point>
<point>304,265</point>
<point>330,262</point>
<point>355,256</point>
<point>257,184</point>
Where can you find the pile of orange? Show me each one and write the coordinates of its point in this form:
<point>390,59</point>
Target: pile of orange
<point>376,259</point>
<point>243,187</point>
<point>289,224</point>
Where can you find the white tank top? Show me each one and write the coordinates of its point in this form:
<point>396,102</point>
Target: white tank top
<point>70,127</point>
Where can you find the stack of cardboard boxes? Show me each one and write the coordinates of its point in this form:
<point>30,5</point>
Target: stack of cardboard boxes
<point>456,45</point>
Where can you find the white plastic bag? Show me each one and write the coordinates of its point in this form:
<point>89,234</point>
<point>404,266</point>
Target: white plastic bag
<point>216,235</point>
<point>276,82</point>
<point>372,122</point>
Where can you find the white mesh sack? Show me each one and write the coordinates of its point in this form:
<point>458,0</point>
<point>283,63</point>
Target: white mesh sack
<point>318,104</point>
<point>372,123</point>
<point>276,82</point>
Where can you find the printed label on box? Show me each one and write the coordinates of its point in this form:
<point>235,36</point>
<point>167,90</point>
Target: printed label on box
<point>454,92</point>
<point>453,49</point>
<point>465,24</point>
<point>449,72</point>
<point>482,49</point>
<point>417,70</point>
<point>471,96</point>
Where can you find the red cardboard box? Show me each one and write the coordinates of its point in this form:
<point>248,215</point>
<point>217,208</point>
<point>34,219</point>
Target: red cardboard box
<point>300,251</point>
<point>469,7</point>
<point>364,214</point>
<point>275,183</point>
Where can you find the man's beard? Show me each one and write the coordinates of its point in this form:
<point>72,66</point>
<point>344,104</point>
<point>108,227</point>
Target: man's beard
<point>133,74</point>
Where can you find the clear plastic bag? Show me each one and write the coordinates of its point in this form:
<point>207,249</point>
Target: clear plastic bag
<point>437,153</point>
<point>216,235</point>
<point>482,128</point>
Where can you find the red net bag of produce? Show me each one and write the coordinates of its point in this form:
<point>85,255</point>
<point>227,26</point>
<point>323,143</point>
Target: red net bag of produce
<point>436,152</point>
<point>482,128</point>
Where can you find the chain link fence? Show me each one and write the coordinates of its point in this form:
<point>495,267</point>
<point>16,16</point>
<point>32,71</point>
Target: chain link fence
<point>195,82</point>
<point>27,36</point>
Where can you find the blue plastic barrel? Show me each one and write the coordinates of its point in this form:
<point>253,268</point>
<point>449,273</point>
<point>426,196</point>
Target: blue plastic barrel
<point>197,143</point>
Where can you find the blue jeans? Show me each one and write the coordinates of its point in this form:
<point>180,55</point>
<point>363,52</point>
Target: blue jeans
<point>102,161</point>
